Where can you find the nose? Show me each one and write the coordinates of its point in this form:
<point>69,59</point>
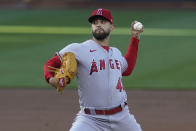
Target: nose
<point>99,23</point>
<point>98,26</point>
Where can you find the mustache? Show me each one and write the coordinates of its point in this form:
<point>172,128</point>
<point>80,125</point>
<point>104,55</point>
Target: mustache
<point>99,28</point>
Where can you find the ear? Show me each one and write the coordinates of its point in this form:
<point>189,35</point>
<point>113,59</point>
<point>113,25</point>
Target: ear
<point>112,27</point>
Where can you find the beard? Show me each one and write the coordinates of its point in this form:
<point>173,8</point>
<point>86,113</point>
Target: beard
<point>100,35</point>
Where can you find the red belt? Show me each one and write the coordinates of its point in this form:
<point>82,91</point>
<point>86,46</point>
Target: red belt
<point>105,112</point>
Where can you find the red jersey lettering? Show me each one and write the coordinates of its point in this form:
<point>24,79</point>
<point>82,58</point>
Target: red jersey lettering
<point>93,67</point>
<point>111,64</point>
<point>102,64</point>
<point>117,64</point>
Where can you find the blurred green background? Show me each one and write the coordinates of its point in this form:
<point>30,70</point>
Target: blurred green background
<point>166,56</point>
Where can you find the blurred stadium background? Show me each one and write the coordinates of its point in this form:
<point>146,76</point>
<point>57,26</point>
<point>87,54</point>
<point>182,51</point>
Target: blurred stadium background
<point>31,31</point>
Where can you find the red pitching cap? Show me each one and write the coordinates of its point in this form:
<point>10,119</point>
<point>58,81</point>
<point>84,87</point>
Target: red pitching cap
<point>101,12</point>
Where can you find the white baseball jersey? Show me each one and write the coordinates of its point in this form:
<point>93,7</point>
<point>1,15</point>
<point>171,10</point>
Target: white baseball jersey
<point>99,74</point>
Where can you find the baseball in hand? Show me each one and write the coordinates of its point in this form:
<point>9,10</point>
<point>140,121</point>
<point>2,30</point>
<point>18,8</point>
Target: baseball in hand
<point>138,26</point>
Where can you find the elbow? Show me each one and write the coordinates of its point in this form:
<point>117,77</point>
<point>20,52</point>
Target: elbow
<point>127,73</point>
<point>129,70</point>
<point>47,74</point>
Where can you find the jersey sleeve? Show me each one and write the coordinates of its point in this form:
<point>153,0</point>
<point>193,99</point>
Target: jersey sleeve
<point>131,56</point>
<point>54,62</point>
<point>74,48</point>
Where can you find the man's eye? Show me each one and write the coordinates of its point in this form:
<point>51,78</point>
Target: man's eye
<point>95,22</point>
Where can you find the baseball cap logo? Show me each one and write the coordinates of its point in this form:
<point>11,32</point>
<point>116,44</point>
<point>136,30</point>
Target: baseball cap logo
<point>99,12</point>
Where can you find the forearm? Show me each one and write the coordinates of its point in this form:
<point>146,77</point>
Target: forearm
<point>131,56</point>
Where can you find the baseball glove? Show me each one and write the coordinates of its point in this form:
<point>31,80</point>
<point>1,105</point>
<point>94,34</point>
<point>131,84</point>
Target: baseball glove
<point>67,71</point>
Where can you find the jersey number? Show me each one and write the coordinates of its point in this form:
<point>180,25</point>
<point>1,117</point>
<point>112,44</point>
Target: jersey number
<point>119,85</point>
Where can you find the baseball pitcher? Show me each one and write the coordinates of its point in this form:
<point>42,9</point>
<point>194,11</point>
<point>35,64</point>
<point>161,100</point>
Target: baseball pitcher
<point>98,69</point>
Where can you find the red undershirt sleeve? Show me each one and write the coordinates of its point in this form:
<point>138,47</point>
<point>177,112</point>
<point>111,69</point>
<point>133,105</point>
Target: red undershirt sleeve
<point>131,56</point>
<point>54,62</point>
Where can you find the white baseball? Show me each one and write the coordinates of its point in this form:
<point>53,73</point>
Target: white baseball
<point>138,26</point>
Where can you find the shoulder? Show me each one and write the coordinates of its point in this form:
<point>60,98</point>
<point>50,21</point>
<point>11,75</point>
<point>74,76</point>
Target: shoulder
<point>72,46</point>
<point>76,48</point>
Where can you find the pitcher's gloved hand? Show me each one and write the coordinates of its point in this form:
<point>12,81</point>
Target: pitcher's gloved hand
<point>66,73</point>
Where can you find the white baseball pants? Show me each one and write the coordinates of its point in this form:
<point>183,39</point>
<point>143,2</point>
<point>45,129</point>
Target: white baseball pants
<point>121,121</point>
